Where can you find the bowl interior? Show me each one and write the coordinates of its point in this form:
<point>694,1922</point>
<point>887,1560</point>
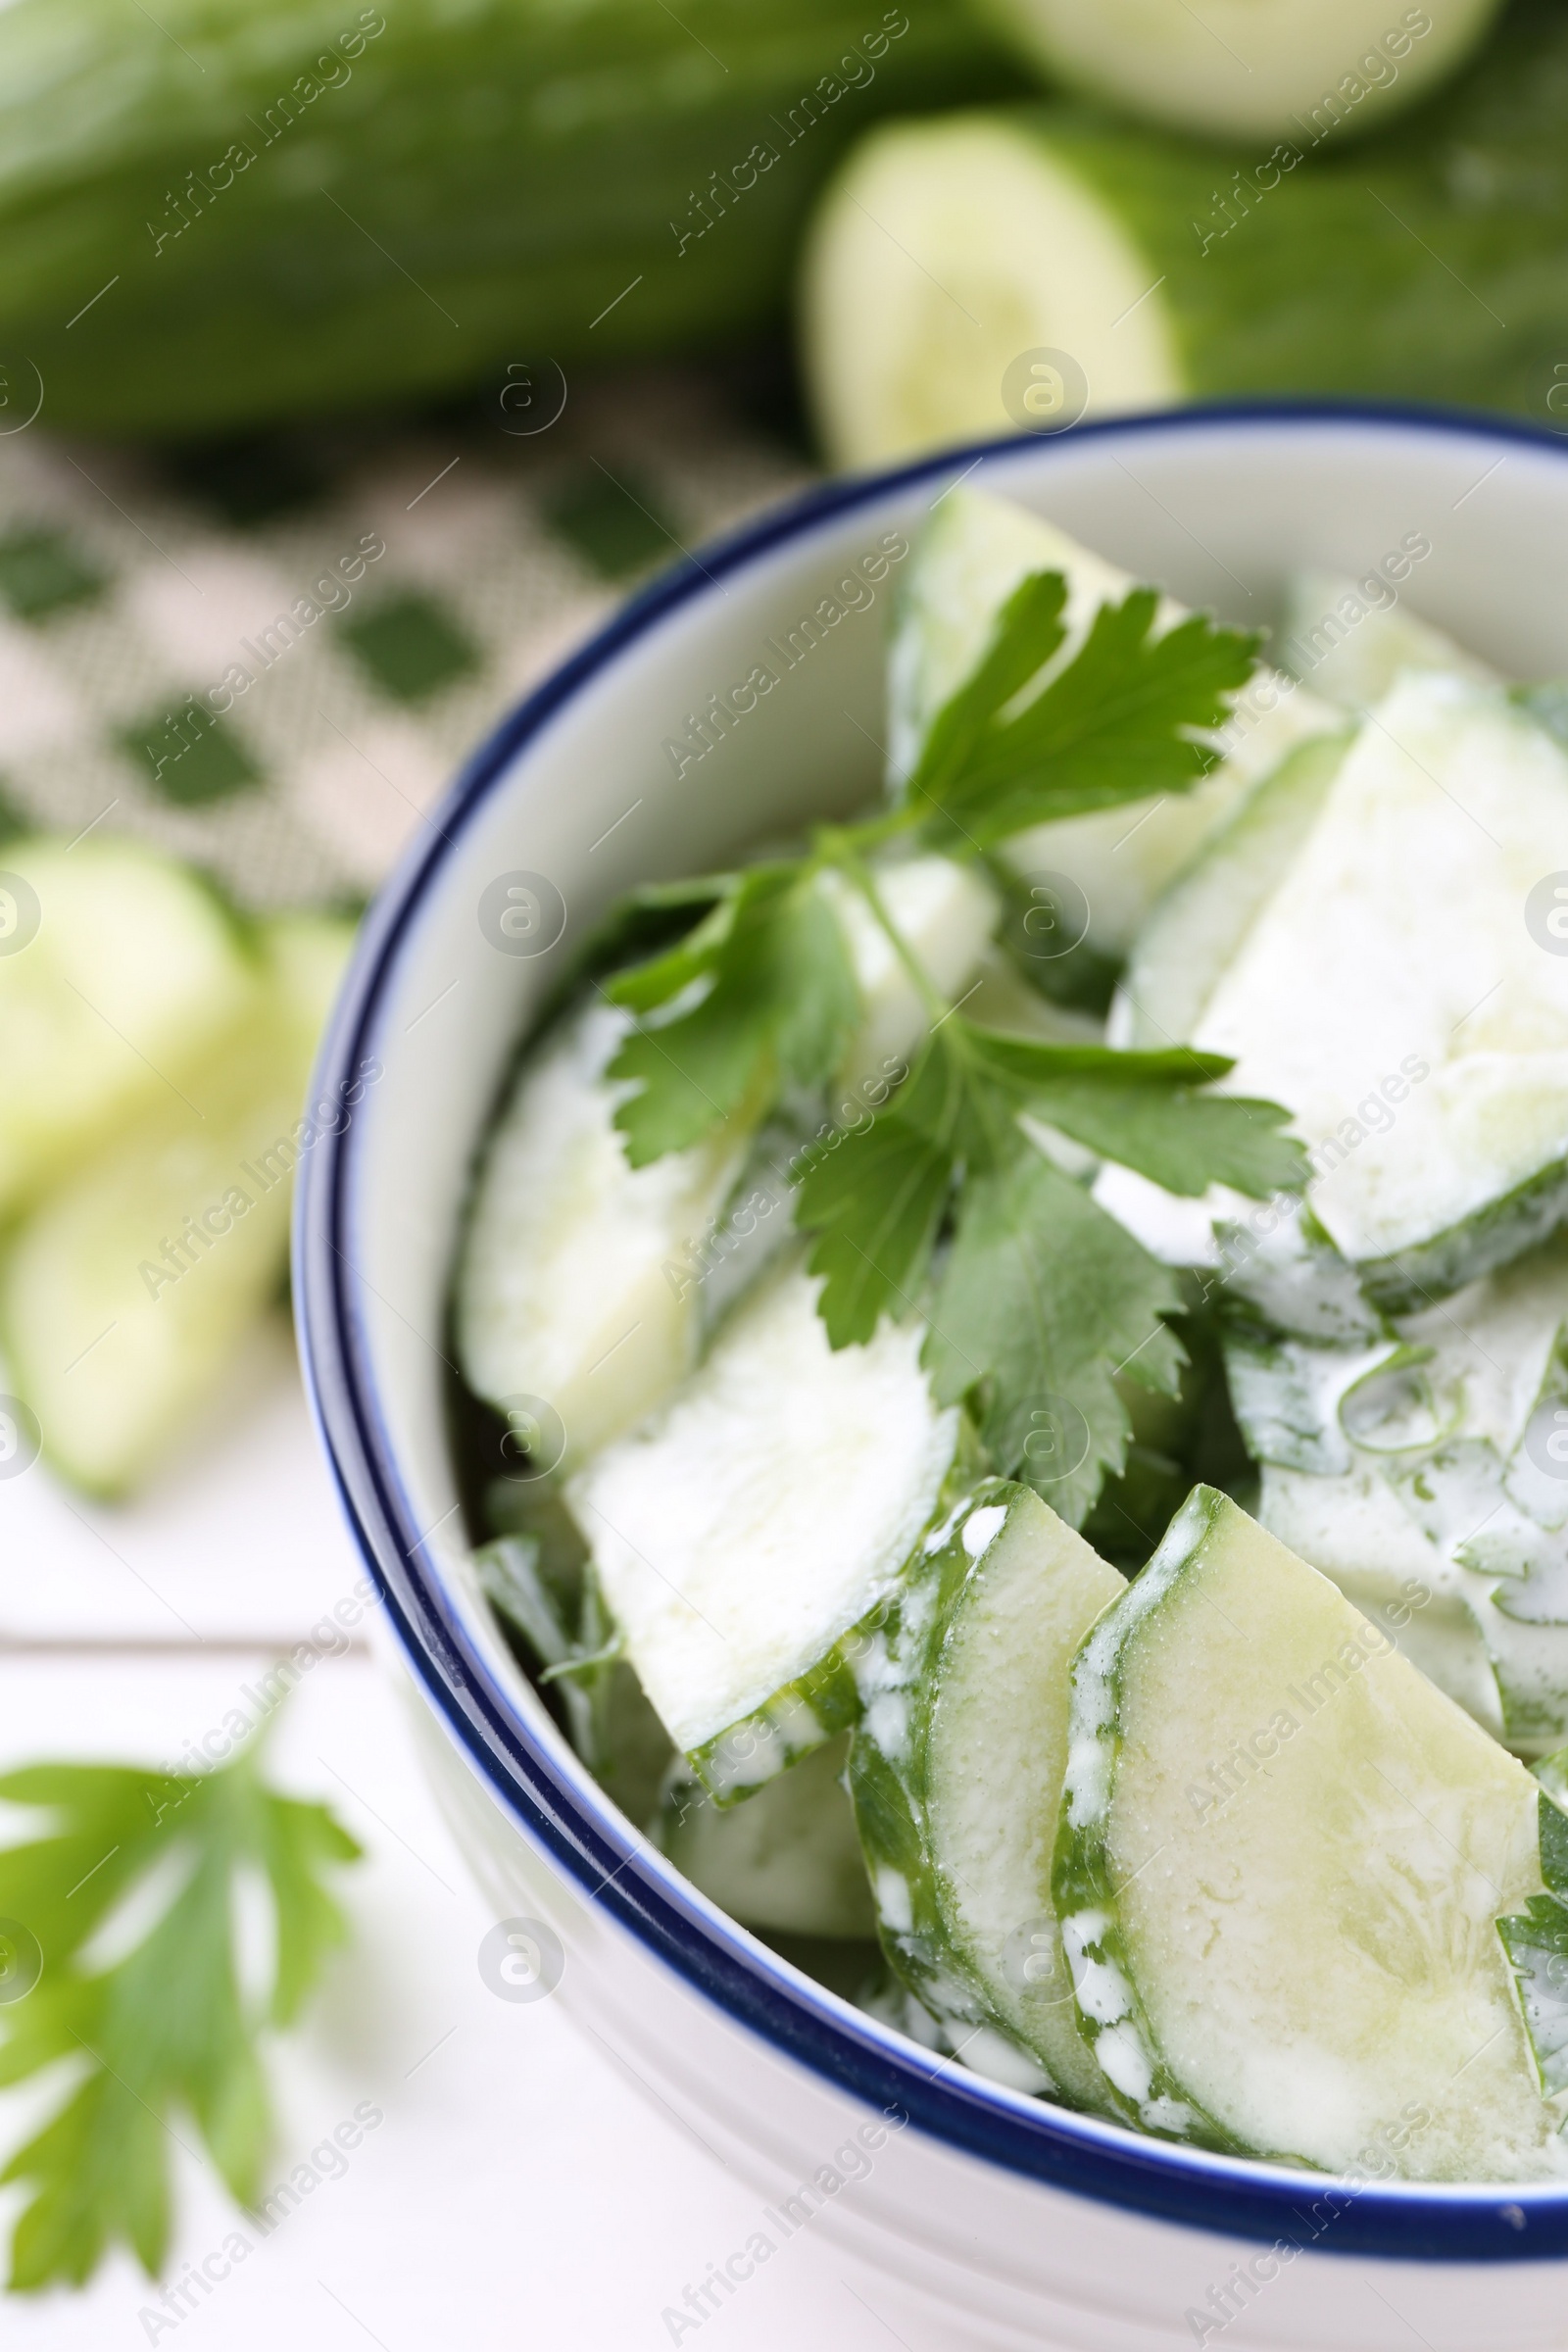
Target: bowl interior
<point>622,769</point>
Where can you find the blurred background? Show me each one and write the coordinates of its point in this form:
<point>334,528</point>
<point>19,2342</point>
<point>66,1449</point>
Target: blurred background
<point>354,362</point>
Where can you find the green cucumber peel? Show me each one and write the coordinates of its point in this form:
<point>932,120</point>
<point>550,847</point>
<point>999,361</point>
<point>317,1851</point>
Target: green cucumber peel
<point>1083,1880</point>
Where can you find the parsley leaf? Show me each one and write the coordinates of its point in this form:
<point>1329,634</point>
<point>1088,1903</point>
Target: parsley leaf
<point>166,2027</point>
<point>1116,723</point>
<point>1144,1112</point>
<point>777,1004</point>
<point>1044,1298</point>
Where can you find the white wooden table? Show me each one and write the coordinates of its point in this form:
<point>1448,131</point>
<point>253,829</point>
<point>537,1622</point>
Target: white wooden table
<point>516,2193</point>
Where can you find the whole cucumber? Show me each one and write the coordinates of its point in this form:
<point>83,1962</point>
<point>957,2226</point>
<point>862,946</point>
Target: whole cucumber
<point>243,212</point>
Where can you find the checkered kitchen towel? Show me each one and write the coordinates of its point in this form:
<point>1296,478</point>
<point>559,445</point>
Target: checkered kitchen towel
<point>273,657</point>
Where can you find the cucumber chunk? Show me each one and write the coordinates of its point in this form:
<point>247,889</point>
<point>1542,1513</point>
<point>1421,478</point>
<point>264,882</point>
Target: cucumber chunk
<point>973,552</point>
<point>584,1281</point>
<point>1281,1861</point>
<point>1237,70</point>
<point>125,1294</point>
<point>1351,648</point>
<point>1391,994</point>
<point>956,1770</point>
<point>133,970</point>
<point>788,1860</point>
<point>743,1531</point>
<point>574,1285</point>
<point>1408,1464</point>
<point>1197,924</point>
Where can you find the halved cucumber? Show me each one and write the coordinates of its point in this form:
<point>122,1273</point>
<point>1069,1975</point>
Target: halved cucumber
<point>973,553</point>
<point>122,1296</point>
<point>1242,70</point>
<point>957,1771</point>
<point>118,969</point>
<point>788,1860</point>
<point>1392,993</point>
<point>583,1280</point>
<point>979,274</point>
<point>1282,1859</point>
<point>742,1533</point>
<point>1350,641</point>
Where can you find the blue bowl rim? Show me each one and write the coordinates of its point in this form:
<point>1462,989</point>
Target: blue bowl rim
<point>1162,2180</point>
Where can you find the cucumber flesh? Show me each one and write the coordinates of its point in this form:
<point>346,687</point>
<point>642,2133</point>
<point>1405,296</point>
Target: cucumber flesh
<point>133,971</point>
<point>1199,922</point>
<point>125,1294</point>
<point>1279,1883</point>
<point>1352,650</point>
<point>789,1860</point>
<point>957,1772</point>
<point>1392,995</point>
<point>972,554</point>
<point>1407,1467</point>
<point>574,1285</point>
<point>1239,71</point>
<point>741,1535</point>
<point>941,252</point>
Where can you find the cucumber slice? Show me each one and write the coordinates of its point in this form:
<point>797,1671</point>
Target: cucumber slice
<point>584,1283</point>
<point>574,1286</point>
<point>1392,993</point>
<point>1407,1466</point>
<point>133,969</point>
<point>1200,922</point>
<point>1241,71</point>
<point>123,1295</point>
<point>1350,641</point>
<point>1355,1532</point>
<point>972,554</point>
<point>957,1772</point>
<point>742,1533</point>
<point>790,1859</point>
<point>1278,1884</point>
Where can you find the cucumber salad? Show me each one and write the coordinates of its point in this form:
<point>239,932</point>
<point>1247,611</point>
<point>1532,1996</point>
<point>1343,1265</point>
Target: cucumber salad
<point>1015,1368</point>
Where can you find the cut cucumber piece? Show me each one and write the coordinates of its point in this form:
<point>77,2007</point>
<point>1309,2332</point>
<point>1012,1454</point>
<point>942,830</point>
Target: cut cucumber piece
<point>1356,1533</point>
<point>741,1535</point>
<point>575,1288</point>
<point>1350,641</point>
<point>123,1295</point>
<point>1199,922</point>
<point>982,274</point>
<point>131,969</point>
<point>957,1772</point>
<point>790,1859</point>
<point>1412,1468</point>
<point>1278,1881</point>
<point>944,913</point>
<point>1240,70</point>
<point>973,553</point>
<point>1391,994</point>
<point>584,1283</point>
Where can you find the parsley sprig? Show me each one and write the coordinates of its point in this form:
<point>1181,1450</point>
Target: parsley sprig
<point>944,1201</point>
<point>167,2030</point>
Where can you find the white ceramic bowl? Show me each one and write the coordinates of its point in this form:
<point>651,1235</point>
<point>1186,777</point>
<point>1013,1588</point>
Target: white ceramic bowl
<point>981,2218</point>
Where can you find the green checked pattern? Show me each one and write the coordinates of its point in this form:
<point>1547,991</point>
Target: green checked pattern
<point>274,656</point>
